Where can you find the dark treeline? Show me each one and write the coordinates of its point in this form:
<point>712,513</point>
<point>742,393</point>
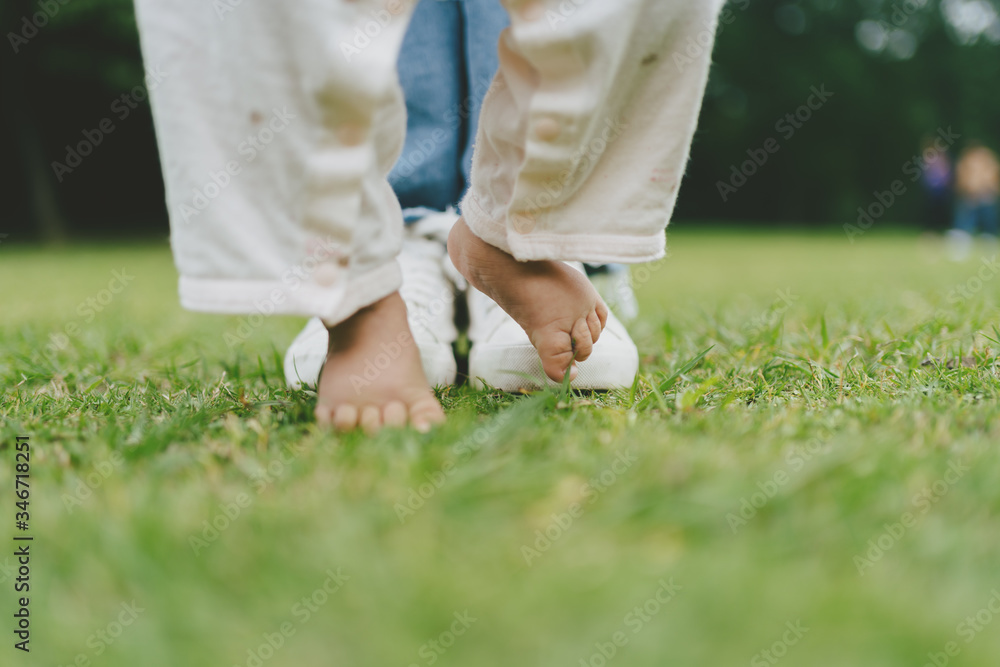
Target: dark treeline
<point>814,106</point>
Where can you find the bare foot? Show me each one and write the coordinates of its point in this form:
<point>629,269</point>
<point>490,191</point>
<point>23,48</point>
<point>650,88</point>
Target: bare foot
<point>373,376</point>
<point>555,304</point>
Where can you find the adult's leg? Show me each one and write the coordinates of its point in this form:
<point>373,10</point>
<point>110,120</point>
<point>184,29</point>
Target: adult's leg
<point>483,23</point>
<point>960,239</point>
<point>426,176</point>
<point>965,216</point>
<point>988,218</point>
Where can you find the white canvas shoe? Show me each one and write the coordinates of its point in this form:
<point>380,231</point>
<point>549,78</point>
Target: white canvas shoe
<point>429,294</point>
<point>502,356</point>
<point>615,287</point>
<point>960,245</point>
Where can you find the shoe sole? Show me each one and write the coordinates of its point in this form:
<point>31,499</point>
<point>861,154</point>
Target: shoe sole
<point>516,367</point>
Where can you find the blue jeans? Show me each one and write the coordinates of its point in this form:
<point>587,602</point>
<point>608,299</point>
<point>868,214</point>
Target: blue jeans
<point>971,216</point>
<point>447,62</point>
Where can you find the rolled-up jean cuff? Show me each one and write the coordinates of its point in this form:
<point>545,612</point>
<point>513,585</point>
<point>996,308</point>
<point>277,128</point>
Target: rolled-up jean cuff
<point>332,304</point>
<point>591,248</point>
<point>482,224</point>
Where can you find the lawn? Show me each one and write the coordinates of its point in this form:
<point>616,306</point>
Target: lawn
<point>805,473</point>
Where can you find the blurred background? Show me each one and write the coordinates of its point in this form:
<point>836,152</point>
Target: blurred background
<point>814,107</point>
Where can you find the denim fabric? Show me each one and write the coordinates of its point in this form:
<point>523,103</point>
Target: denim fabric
<point>976,216</point>
<point>447,62</point>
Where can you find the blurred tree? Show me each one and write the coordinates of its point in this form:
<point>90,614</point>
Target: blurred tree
<point>898,70</point>
<point>40,195</point>
<point>63,64</point>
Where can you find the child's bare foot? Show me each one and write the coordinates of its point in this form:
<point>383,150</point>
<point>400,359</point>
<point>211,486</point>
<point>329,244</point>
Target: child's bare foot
<point>373,376</point>
<point>555,304</point>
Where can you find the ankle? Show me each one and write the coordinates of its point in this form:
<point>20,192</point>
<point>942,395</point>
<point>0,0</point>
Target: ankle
<point>476,259</point>
<point>369,322</point>
<point>458,246</point>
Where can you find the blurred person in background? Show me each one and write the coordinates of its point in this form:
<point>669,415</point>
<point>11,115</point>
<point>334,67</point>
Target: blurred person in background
<point>936,179</point>
<point>977,185</point>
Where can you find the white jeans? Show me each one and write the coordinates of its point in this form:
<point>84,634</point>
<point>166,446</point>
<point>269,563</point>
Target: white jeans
<point>278,122</point>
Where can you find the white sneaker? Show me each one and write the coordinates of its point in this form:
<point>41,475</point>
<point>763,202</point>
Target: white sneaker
<point>429,295</point>
<point>615,287</point>
<point>959,245</point>
<point>503,357</point>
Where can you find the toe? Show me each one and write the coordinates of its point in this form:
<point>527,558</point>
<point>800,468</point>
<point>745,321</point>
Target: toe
<point>556,353</point>
<point>345,417</point>
<point>323,416</point>
<point>602,313</point>
<point>394,414</point>
<point>594,323</point>
<point>371,419</point>
<point>583,343</point>
<point>425,413</point>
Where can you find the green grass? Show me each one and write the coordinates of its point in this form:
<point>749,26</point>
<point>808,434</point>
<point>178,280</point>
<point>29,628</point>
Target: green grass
<point>840,383</point>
